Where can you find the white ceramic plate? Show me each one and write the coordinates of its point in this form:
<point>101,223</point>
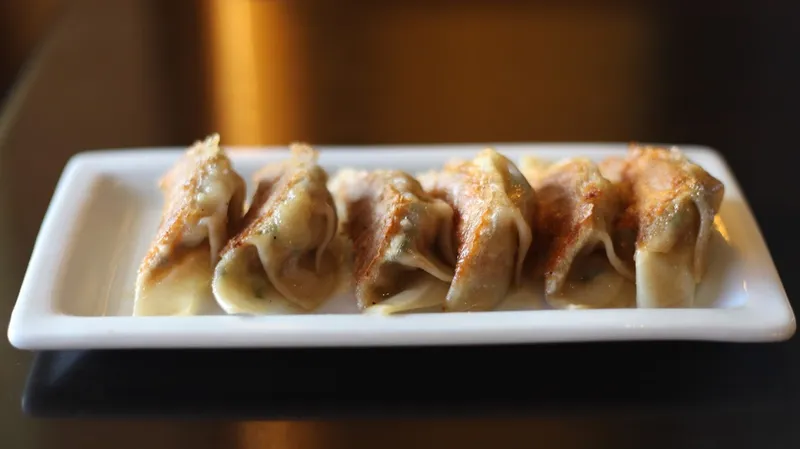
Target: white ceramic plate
<point>79,287</point>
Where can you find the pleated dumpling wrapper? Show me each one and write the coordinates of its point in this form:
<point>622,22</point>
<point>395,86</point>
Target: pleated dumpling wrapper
<point>494,209</point>
<point>672,203</point>
<point>204,198</point>
<point>578,209</point>
<point>285,259</point>
<point>403,254</point>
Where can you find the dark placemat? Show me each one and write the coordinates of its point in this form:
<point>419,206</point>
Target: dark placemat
<point>639,377</point>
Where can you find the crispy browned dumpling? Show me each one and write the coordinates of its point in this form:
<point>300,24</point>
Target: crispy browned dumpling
<point>671,206</point>
<point>285,258</point>
<point>203,204</point>
<point>401,240</point>
<point>494,208</point>
<point>577,211</point>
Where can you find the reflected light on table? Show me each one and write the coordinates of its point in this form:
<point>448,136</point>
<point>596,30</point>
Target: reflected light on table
<point>566,433</point>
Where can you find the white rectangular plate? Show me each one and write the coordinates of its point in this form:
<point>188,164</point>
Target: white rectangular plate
<point>79,287</point>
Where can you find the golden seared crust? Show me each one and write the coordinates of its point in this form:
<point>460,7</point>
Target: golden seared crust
<point>472,214</point>
<point>670,200</point>
<point>303,157</point>
<point>376,205</point>
<point>577,210</point>
<point>573,199</point>
<point>493,177</point>
<point>275,183</point>
<point>494,208</point>
<point>476,189</point>
<point>662,181</point>
<point>613,169</point>
<point>189,189</point>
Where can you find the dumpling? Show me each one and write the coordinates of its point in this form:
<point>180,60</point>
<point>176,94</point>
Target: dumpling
<point>403,255</point>
<point>671,205</point>
<point>578,209</point>
<point>285,259</point>
<point>494,209</point>
<point>204,198</point>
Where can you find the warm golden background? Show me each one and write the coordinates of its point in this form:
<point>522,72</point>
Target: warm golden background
<point>83,74</point>
<point>349,72</point>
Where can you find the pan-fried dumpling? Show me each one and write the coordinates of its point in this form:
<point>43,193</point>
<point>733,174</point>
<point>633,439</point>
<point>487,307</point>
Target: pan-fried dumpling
<point>494,209</point>
<point>285,259</point>
<point>401,240</point>
<point>577,211</point>
<point>203,204</point>
<point>672,204</point>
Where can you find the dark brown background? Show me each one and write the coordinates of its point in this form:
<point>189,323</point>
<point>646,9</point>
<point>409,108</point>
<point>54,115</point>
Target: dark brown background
<point>97,74</point>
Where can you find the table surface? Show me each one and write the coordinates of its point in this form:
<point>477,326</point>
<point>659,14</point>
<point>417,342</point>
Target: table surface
<point>149,73</point>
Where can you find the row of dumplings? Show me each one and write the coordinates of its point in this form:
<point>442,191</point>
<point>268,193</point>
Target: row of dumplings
<point>460,238</point>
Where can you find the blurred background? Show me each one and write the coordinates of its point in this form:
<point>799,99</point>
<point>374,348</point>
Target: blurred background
<point>90,74</point>
<point>84,74</point>
<point>96,74</point>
